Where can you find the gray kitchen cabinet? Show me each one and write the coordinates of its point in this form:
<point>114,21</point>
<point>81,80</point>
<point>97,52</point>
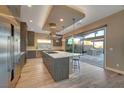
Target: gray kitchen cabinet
<point>31,38</point>
<point>31,54</point>
<point>23,59</point>
<point>57,67</point>
<point>57,42</point>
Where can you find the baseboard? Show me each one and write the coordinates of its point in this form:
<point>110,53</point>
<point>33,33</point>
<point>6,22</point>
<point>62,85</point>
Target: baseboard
<point>115,70</point>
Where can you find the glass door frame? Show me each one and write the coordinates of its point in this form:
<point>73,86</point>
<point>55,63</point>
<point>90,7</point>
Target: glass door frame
<point>104,41</point>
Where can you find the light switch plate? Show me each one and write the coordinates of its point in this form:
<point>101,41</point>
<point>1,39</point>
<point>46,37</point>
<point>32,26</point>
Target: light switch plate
<point>111,49</point>
<point>117,65</point>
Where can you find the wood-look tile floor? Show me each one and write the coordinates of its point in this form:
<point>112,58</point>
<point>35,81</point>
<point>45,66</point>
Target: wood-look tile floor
<point>35,75</point>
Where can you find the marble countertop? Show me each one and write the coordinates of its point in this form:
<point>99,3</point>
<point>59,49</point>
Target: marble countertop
<point>36,49</point>
<point>62,54</point>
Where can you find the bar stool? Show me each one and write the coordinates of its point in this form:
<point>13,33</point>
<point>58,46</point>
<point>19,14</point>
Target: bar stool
<point>76,63</point>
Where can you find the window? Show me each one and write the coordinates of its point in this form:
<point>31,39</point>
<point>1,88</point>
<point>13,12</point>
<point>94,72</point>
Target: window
<point>70,41</point>
<point>43,41</point>
<point>98,44</point>
<point>43,44</point>
<point>88,42</point>
<point>91,35</point>
<point>100,33</point>
<point>76,40</point>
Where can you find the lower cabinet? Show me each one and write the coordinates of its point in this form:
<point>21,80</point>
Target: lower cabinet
<point>31,54</point>
<point>57,67</point>
<point>34,54</point>
<point>23,60</point>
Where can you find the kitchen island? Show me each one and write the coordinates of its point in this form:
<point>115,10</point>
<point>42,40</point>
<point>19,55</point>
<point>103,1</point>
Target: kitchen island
<point>57,63</point>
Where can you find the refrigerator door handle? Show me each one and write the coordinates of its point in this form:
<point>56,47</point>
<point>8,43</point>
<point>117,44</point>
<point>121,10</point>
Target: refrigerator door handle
<point>8,54</point>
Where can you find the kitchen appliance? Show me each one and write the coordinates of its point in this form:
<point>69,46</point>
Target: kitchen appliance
<point>5,54</point>
<point>9,52</point>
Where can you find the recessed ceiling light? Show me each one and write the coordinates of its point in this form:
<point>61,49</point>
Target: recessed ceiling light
<point>80,21</point>
<point>29,5</point>
<point>61,19</point>
<point>31,21</point>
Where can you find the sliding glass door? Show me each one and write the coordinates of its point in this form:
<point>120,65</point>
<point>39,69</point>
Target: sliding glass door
<point>90,45</point>
<point>93,43</point>
<point>93,47</point>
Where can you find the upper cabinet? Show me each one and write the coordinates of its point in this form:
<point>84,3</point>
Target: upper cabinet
<point>57,41</point>
<point>31,38</point>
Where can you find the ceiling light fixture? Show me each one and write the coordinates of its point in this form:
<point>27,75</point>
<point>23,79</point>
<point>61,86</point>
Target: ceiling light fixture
<point>31,21</point>
<point>61,19</point>
<point>29,5</point>
<point>80,21</point>
<point>52,25</point>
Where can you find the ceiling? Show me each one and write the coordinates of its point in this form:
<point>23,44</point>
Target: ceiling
<point>69,16</point>
<point>93,13</point>
<point>39,14</point>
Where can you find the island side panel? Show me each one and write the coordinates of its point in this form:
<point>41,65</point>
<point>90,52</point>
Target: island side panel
<point>57,67</point>
<point>61,69</point>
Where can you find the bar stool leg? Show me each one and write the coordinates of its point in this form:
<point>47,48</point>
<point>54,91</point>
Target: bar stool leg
<point>79,65</point>
<point>76,65</point>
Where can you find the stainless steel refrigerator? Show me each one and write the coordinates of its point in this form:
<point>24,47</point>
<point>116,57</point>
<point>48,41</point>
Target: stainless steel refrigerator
<point>9,53</point>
